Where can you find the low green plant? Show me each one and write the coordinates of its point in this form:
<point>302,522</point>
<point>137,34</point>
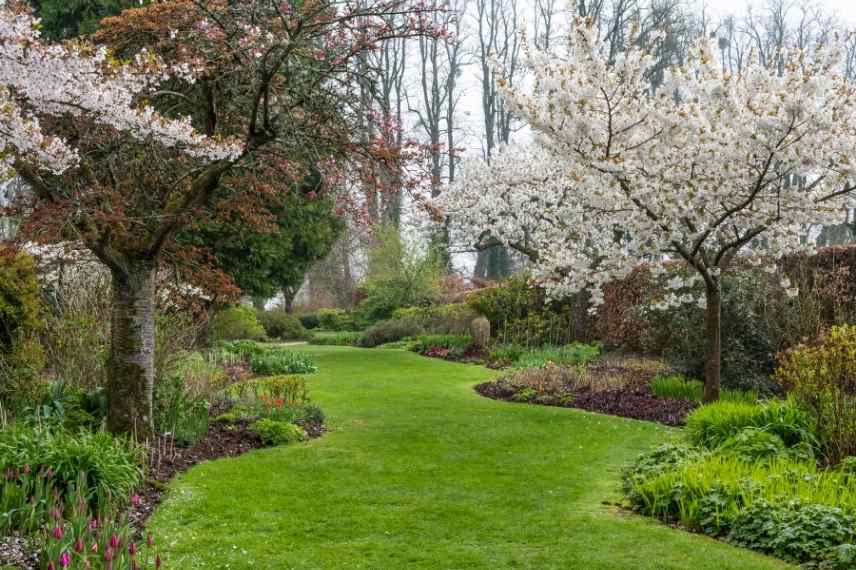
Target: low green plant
<point>390,330</point>
<point>335,320</point>
<point>309,321</point>
<point>809,534</point>
<point>424,343</point>
<point>111,468</point>
<point>712,424</point>
<point>235,323</point>
<point>282,325</point>
<point>666,457</point>
<point>568,355</point>
<point>757,444</point>
<point>179,412</point>
<point>274,432</point>
<point>278,361</point>
<point>676,386</point>
<point>341,338</point>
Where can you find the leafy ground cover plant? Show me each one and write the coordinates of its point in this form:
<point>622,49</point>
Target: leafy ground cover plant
<point>441,345</point>
<point>341,338</point>
<point>518,356</point>
<point>276,432</point>
<point>279,361</point>
<point>390,330</point>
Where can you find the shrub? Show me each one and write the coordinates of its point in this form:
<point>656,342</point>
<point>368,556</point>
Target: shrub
<point>664,458</point>
<point>274,432</point>
<point>569,355</point>
<point>455,343</point>
<point>336,320</point>
<point>235,323</point>
<point>711,425</point>
<point>756,444</point>
<point>21,355</point>
<point>822,379</point>
<point>311,413</point>
<point>796,532</point>
<point>77,328</point>
<point>340,338</point>
<point>243,350</point>
<point>309,321</point>
<point>275,362</point>
<point>282,325</point>
<point>391,330</point>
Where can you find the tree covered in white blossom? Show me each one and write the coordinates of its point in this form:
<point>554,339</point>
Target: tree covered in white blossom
<point>708,168</point>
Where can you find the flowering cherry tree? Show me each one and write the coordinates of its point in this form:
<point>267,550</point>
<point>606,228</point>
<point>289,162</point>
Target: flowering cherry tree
<point>184,110</point>
<point>709,167</point>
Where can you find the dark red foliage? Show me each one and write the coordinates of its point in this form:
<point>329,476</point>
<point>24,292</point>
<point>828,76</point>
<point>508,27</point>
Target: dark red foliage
<point>633,400</point>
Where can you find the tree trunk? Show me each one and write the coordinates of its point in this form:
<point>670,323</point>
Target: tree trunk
<point>130,369</point>
<point>288,295</point>
<point>713,317</point>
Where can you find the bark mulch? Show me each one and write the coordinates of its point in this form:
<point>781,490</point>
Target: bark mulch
<point>611,390</point>
<point>167,460</point>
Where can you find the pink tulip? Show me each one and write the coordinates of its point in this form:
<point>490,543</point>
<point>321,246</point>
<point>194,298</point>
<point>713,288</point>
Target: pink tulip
<point>157,561</point>
<point>78,545</point>
<point>136,500</point>
<point>108,554</point>
<point>57,532</point>
<point>51,566</point>
<point>132,549</point>
<point>114,541</point>
<point>65,559</point>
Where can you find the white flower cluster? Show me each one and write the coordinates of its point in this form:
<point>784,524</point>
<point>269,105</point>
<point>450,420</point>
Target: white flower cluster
<point>709,167</point>
<point>40,79</point>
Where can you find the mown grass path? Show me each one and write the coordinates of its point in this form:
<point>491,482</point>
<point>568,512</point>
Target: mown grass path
<point>421,472</point>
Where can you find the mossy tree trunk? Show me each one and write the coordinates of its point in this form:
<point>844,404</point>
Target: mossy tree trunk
<point>131,367</point>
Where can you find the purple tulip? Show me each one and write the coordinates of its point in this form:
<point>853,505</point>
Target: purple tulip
<point>65,559</point>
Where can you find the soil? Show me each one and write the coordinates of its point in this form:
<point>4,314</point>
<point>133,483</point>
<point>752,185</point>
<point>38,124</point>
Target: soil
<point>632,398</point>
<point>167,460</point>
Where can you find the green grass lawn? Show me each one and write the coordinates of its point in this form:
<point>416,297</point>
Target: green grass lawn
<point>421,472</point>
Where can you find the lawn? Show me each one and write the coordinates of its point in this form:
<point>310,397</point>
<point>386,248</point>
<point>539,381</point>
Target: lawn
<point>420,472</point>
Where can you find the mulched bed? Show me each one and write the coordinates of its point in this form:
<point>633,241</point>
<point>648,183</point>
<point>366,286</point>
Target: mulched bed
<point>167,460</point>
<point>633,398</point>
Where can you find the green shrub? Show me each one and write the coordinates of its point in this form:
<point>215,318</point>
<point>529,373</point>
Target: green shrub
<point>311,413</point>
<point>242,350</point>
<point>822,379</point>
<point>666,457</point>
<point>757,444</point>
<point>274,432</point>
<point>424,343</point>
<point>797,532</point>
<point>569,355</point>
<point>309,321</point>
<point>711,425</point>
<point>390,330</point>
<point>276,362</point>
<point>341,338</point>
<point>282,325</point>
<point>235,323</point>
<point>336,320</point>
<point>679,335</point>
<point>21,354</point>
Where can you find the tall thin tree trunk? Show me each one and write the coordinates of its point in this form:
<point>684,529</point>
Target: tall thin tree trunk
<point>713,318</point>
<point>131,367</point>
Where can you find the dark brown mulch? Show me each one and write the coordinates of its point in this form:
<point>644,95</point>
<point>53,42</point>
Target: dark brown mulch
<point>166,460</point>
<point>633,400</point>
<point>18,552</point>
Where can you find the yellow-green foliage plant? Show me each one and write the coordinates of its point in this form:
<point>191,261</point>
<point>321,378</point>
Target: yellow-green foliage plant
<point>21,355</point>
<point>822,378</point>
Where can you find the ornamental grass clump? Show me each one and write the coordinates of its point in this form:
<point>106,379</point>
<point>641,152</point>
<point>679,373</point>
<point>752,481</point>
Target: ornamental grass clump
<point>711,425</point>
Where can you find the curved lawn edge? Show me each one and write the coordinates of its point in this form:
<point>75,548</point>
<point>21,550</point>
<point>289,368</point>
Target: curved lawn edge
<point>418,471</point>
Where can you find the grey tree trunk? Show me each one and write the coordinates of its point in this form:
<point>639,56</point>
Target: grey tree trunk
<point>713,318</point>
<point>131,368</point>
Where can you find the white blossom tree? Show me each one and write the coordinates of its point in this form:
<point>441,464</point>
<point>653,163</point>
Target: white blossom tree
<point>709,167</point>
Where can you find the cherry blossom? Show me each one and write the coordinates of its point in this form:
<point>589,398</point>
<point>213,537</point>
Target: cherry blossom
<point>707,168</point>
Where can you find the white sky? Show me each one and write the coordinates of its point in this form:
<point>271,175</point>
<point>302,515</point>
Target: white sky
<point>844,8</point>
